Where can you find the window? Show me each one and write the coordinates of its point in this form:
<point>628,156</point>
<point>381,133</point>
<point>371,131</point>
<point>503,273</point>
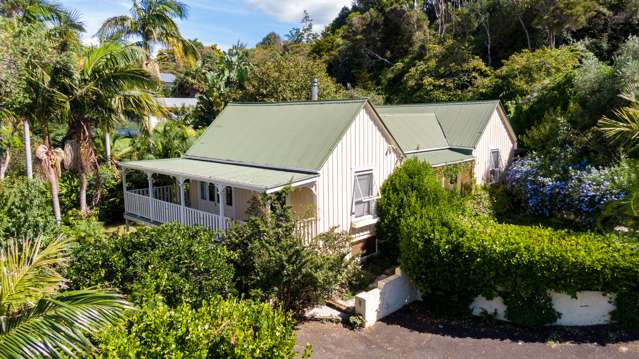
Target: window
<point>495,160</point>
<point>229,196</point>
<point>495,166</point>
<point>363,194</point>
<point>204,191</point>
<point>213,195</point>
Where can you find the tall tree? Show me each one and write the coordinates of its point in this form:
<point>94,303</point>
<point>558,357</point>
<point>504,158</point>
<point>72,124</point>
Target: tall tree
<point>152,22</point>
<point>559,15</point>
<point>111,83</point>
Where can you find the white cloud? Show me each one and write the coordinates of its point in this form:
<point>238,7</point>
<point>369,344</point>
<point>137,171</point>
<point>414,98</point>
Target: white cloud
<point>322,11</point>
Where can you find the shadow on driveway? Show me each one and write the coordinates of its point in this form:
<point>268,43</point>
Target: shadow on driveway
<point>413,332</point>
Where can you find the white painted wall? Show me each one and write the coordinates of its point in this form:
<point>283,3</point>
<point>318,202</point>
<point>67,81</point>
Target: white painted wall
<point>365,145</point>
<point>391,294</point>
<point>589,308</point>
<point>495,136</point>
<point>396,291</point>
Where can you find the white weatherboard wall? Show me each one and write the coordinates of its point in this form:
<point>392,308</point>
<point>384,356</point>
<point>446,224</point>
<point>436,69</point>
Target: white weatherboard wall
<point>495,136</point>
<point>364,146</point>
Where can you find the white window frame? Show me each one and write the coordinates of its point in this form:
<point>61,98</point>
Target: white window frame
<point>372,199</point>
<point>216,194</point>
<point>494,172</point>
<point>492,163</point>
<point>204,191</point>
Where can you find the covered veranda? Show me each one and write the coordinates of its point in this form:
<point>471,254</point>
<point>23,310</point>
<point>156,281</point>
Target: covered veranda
<point>230,186</point>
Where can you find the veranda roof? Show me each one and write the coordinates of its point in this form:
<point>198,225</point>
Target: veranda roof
<point>442,157</point>
<point>239,176</point>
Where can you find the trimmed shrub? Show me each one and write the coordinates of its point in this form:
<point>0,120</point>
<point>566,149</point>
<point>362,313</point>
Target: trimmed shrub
<point>219,328</point>
<point>25,209</point>
<point>414,182</point>
<point>453,258</point>
<point>272,263</point>
<point>183,264</point>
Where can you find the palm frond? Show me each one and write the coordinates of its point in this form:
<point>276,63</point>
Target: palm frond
<point>623,129</point>
<point>28,272</point>
<point>117,28</point>
<point>60,324</point>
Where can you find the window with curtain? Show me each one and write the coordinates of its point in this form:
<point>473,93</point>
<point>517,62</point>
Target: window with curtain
<point>364,194</point>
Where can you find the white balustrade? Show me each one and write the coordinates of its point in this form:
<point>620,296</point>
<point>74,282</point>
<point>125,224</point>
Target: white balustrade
<point>306,228</point>
<point>161,209</point>
<point>138,203</point>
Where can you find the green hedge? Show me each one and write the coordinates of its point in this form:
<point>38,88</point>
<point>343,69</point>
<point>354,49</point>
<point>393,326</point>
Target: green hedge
<point>183,264</point>
<point>219,328</point>
<point>453,257</point>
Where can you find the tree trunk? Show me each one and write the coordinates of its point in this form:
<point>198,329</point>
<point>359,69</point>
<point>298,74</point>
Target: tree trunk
<point>4,163</point>
<point>27,149</point>
<point>107,145</point>
<point>523,25</point>
<point>84,185</point>
<point>488,42</point>
<point>55,198</point>
<point>46,160</point>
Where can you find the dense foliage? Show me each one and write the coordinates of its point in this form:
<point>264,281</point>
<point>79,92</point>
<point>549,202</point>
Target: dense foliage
<point>25,209</point>
<point>578,192</point>
<point>412,184</point>
<point>273,263</point>
<point>453,257</point>
<point>182,264</point>
<point>218,328</point>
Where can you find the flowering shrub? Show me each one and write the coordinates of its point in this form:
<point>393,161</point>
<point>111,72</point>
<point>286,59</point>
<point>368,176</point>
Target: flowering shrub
<point>577,191</point>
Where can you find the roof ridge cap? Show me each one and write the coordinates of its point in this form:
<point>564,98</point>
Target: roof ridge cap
<point>300,102</point>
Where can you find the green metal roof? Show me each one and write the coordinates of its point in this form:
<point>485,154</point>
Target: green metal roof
<point>252,178</point>
<point>462,122</point>
<point>442,157</point>
<point>293,135</point>
<point>415,131</point>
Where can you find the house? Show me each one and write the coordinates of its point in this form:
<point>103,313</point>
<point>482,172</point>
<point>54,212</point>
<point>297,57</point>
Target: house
<point>333,154</point>
<point>172,104</point>
<point>455,132</point>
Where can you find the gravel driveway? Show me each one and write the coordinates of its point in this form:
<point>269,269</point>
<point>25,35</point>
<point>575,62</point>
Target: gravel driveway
<point>414,333</point>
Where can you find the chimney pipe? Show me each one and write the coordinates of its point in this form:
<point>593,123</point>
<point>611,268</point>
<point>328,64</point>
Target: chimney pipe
<point>314,90</point>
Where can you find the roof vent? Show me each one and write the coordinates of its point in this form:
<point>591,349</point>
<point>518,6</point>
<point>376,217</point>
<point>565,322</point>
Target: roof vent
<point>314,90</point>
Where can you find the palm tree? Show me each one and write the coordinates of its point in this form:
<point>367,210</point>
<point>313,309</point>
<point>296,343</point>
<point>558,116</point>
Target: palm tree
<point>152,22</point>
<point>36,320</point>
<point>110,86</point>
<point>623,129</point>
<point>64,26</point>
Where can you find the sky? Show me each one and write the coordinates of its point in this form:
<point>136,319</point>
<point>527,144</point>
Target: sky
<point>221,22</point>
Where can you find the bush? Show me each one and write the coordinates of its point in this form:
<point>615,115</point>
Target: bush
<point>272,263</point>
<point>452,259</point>
<point>25,209</point>
<point>219,328</point>
<point>110,205</point>
<point>183,264</point>
<point>412,183</point>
